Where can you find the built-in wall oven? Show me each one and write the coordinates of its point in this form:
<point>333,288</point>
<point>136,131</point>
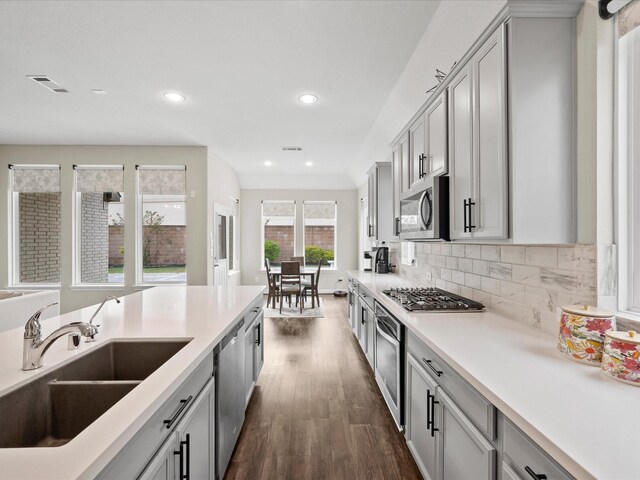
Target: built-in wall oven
<point>424,215</point>
<point>389,363</point>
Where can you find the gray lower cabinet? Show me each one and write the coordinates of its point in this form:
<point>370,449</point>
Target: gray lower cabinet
<point>162,467</point>
<point>508,473</point>
<point>195,457</point>
<point>189,450</point>
<point>422,442</point>
<point>466,454</point>
<point>367,327</point>
<point>249,378</point>
<point>258,346</point>
<point>526,459</point>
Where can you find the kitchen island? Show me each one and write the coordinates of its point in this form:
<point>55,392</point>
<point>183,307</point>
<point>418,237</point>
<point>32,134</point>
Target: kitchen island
<point>203,315</point>
<point>582,419</point>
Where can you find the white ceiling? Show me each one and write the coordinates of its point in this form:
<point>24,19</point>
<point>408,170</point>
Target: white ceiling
<point>240,64</point>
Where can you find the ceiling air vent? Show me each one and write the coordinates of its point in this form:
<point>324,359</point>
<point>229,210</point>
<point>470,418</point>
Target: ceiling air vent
<point>46,82</point>
<point>292,149</point>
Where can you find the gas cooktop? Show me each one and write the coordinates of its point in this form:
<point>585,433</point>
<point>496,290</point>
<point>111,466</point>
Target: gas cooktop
<point>431,300</point>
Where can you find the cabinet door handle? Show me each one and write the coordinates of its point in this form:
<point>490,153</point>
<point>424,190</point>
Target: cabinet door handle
<point>181,458</point>
<point>429,419</point>
<point>466,220</point>
<point>433,416</point>
<point>534,475</point>
<point>187,443</point>
<point>370,230</point>
<point>183,404</point>
<point>469,204</point>
<point>397,221</point>
<point>257,327</point>
<point>433,369</point>
<point>421,165</point>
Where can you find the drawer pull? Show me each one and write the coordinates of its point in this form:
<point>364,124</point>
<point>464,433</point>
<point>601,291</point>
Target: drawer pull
<point>534,475</point>
<point>429,364</point>
<point>183,404</point>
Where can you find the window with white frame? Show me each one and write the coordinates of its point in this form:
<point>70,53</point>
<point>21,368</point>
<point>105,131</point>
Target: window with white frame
<point>161,229</point>
<point>278,230</point>
<point>35,209</point>
<point>320,228</point>
<point>99,225</point>
<point>629,156</point>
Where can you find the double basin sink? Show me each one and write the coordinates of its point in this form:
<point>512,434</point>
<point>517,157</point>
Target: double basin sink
<point>51,410</point>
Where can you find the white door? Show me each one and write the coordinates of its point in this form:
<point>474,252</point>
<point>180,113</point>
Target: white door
<point>221,216</point>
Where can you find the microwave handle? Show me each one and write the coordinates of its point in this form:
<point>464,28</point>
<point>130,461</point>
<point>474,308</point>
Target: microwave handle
<point>420,209</point>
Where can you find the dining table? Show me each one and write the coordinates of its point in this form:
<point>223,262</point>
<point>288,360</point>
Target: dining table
<point>304,271</point>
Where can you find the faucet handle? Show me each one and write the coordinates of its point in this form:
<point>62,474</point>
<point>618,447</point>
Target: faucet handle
<point>32,328</point>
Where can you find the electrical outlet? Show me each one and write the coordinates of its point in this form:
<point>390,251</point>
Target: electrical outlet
<point>428,276</point>
<point>340,279</point>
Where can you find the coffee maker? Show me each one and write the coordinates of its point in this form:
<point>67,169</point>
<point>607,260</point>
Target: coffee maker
<point>382,260</point>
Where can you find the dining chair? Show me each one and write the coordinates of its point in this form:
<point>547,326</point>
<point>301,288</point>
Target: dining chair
<point>290,283</point>
<point>313,286</point>
<point>298,259</point>
<point>273,284</point>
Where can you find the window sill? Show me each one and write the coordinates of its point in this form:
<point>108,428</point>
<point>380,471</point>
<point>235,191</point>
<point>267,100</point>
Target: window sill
<point>144,286</point>
<point>33,286</point>
<point>628,316</point>
<point>108,286</point>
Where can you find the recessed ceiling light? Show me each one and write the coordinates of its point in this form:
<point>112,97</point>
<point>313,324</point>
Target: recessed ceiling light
<point>308,163</point>
<point>174,97</point>
<point>267,163</point>
<point>308,98</point>
<point>98,91</point>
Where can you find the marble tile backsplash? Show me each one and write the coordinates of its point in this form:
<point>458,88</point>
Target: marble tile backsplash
<point>525,283</point>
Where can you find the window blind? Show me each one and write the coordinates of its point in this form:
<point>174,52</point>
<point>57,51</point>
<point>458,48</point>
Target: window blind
<point>36,178</point>
<point>628,18</point>
<point>162,180</point>
<point>99,179</point>
<point>278,208</point>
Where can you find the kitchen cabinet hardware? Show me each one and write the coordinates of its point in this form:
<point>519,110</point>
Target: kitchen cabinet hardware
<point>534,475</point>
<point>257,329</point>
<point>182,456</point>
<point>430,365</point>
<point>183,404</point>
<point>397,226</point>
<point>421,165</point>
<point>431,407</point>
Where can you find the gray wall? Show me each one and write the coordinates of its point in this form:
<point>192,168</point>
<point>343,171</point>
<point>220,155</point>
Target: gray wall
<point>195,158</point>
<point>347,232</point>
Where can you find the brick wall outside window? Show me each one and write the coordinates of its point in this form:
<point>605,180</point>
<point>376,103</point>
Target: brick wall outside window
<point>94,239</point>
<point>322,236</point>
<point>39,237</point>
<point>283,235</point>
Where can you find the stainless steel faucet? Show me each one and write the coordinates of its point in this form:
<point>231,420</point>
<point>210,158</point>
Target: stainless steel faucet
<point>110,297</point>
<point>34,347</point>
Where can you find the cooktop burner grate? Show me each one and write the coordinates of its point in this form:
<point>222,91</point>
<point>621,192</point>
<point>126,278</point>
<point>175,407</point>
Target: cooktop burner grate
<point>432,300</point>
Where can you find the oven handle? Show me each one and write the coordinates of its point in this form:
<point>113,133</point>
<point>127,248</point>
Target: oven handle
<point>386,335</point>
<point>423,197</point>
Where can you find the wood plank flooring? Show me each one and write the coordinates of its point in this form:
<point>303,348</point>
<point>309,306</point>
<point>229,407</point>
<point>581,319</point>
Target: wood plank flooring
<point>316,412</point>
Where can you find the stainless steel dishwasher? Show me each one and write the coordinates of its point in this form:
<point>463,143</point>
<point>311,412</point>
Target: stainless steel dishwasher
<point>230,393</point>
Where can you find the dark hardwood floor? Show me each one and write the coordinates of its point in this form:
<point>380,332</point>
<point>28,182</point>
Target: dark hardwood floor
<point>316,412</point>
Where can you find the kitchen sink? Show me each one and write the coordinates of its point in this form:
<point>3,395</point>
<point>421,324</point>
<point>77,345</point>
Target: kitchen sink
<point>53,409</point>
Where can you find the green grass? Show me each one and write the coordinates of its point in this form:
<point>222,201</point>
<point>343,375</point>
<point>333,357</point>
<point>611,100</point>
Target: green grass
<point>166,269</point>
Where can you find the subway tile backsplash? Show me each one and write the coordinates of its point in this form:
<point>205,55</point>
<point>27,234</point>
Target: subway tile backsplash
<point>522,282</point>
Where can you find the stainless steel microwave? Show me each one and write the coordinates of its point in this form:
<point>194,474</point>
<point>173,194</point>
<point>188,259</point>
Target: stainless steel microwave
<point>424,215</point>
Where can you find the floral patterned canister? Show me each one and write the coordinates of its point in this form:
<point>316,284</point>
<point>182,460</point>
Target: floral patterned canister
<point>582,332</point>
<point>621,357</point>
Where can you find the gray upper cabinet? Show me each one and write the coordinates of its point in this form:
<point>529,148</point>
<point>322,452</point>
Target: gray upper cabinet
<point>435,121</point>
<point>479,195</point>
<point>466,454</point>
<point>460,152</point>
<point>509,142</point>
<point>396,173</point>
<point>380,198</point>
<point>416,152</point>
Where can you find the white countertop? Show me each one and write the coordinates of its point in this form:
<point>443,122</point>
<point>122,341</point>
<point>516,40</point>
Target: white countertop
<point>205,314</point>
<point>586,421</point>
